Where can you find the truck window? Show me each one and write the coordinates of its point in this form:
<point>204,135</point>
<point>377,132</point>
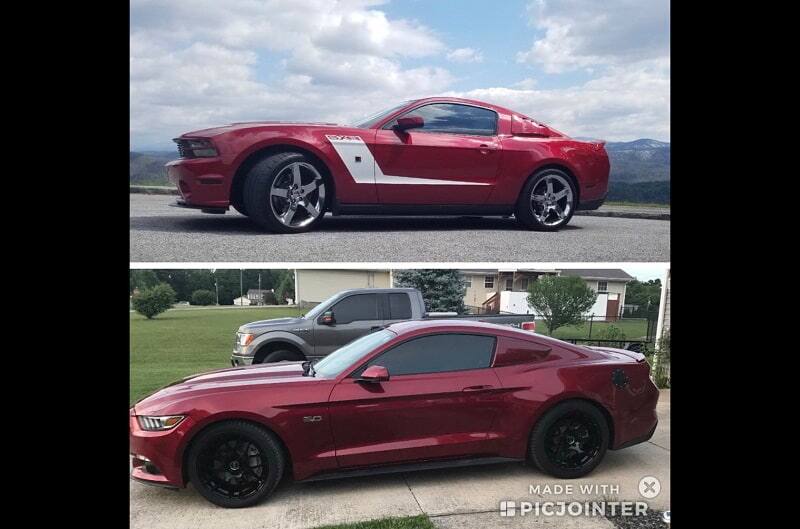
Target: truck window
<point>399,307</point>
<point>437,353</point>
<point>358,307</point>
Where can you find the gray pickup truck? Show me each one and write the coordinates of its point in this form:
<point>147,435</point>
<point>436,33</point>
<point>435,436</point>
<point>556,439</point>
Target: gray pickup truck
<point>338,320</point>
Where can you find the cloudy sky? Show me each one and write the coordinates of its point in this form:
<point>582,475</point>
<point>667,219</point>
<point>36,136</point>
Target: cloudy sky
<point>588,68</point>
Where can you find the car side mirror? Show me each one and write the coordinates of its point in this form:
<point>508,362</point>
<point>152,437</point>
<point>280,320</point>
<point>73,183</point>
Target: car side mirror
<point>327,318</point>
<point>411,122</point>
<point>374,374</point>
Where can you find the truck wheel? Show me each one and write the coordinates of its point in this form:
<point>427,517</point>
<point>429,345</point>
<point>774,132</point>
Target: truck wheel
<point>547,201</point>
<point>285,193</point>
<point>235,464</point>
<point>281,355</point>
<point>570,440</point>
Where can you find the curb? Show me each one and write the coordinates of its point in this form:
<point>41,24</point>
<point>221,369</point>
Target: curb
<point>625,215</point>
<point>154,190</point>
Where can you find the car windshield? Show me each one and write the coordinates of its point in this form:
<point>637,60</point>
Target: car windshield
<point>345,356</point>
<point>317,310</point>
<point>369,121</point>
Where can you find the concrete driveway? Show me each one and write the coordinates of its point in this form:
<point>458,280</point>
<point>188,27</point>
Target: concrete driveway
<point>462,498</point>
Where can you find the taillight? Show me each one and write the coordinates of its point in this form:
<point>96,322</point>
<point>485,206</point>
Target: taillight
<point>529,326</point>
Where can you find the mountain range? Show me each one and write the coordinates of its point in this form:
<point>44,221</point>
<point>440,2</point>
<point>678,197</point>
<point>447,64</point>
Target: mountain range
<point>640,170</point>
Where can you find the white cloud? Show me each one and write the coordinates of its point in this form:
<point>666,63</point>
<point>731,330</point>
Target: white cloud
<point>625,103</point>
<point>582,33</point>
<point>465,55</point>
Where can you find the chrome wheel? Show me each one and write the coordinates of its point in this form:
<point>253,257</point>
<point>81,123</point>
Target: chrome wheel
<point>552,200</point>
<point>297,195</point>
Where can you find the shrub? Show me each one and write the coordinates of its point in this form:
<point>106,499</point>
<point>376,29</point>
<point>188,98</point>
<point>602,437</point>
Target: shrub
<point>150,302</point>
<point>269,298</point>
<point>203,297</point>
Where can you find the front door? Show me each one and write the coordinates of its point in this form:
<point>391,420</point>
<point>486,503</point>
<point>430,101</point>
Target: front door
<point>439,402</point>
<point>612,307</point>
<point>453,159</point>
<point>354,316</point>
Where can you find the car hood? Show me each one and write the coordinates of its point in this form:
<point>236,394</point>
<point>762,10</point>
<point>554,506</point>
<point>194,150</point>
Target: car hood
<point>261,376</point>
<point>216,131</point>
<point>258,327</point>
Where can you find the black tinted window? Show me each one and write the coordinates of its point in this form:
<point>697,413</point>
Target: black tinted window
<point>437,353</point>
<point>399,307</point>
<point>358,307</point>
<point>455,119</point>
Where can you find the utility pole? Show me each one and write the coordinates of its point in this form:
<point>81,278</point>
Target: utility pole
<point>241,288</point>
<point>260,294</point>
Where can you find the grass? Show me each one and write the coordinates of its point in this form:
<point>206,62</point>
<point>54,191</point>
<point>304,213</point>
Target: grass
<point>634,329</point>
<point>180,342</point>
<point>410,522</point>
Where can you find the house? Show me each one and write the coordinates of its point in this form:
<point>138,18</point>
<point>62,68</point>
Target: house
<point>243,301</point>
<point>256,296</point>
<point>313,286</point>
<point>609,283</point>
<point>506,290</point>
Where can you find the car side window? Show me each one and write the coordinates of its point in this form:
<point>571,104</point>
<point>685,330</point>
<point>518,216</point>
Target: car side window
<point>399,307</point>
<point>450,118</point>
<point>437,353</point>
<point>358,307</point>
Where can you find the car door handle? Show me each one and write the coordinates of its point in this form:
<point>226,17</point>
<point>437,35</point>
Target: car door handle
<point>470,389</point>
<point>486,149</point>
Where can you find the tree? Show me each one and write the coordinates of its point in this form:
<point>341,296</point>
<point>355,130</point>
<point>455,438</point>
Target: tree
<point>142,279</point>
<point>645,294</point>
<point>150,302</point>
<point>442,290</point>
<point>203,297</point>
<point>561,300</point>
<point>285,288</point>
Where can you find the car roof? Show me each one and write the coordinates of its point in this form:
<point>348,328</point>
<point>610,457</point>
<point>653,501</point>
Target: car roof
<point>475,102</point>
<point>455,325</point>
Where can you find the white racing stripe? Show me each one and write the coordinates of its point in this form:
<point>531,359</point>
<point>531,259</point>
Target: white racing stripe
<point>367,171</point>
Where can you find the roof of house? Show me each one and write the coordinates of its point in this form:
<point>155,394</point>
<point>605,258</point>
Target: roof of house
<point>606,274</point>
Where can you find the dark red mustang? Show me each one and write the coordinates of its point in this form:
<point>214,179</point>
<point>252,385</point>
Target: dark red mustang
<point>415,395</point>
<point>439,155</point>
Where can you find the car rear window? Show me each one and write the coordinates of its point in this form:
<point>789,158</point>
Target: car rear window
<point>399,307</point>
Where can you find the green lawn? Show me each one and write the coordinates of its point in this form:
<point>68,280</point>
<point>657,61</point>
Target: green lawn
<point>178,343</point>
<point>634,329</point>
<point>411,522</point>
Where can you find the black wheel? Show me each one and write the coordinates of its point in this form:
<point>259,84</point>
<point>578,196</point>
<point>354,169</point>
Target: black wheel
<point>547,201</point>
<point>235,464</point>
<point>285,193</point>
<point>281,355</point>
<point>570,440</point>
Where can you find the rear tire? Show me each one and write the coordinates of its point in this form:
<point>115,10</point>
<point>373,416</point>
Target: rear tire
<point>570,440</point>
<point>285,193</point>
<point>547,201</point>
<point>235,464</point>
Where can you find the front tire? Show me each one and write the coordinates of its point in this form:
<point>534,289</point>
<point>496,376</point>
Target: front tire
<point>235,464</point>
<point>285,193</point>
<point>282,354</point>
<point>547,201</point>
<point>570,440</point>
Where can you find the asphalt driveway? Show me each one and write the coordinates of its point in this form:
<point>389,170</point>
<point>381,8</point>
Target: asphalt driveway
<point>159,233</point>
<point>458,498</point>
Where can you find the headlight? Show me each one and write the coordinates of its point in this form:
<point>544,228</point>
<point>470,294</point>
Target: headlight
<point>245,339</point>
<point>198,148</point>
<point>158,424</point>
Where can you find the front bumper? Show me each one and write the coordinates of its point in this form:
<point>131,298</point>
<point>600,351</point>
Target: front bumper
<point>241,360</point>
<point>156,456</point>
<point>202,182</point>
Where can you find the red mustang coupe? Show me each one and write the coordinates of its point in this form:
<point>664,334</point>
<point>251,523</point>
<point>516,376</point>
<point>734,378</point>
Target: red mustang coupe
<point>439,155</point>
<point>414,395</point>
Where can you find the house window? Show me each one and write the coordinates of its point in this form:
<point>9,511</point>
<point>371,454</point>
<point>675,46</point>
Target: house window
<point>509,284</point>
<point>602,286</point>
<point>488,282</point>
<point>468,281</point>
<point>524,284</point>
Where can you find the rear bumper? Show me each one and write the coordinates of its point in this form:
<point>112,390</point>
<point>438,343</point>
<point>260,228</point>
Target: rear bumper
<point>202,182</point>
